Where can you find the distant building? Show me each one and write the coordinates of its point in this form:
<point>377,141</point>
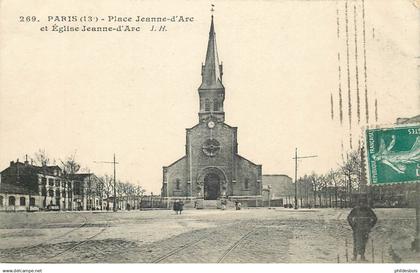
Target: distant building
<point>415,119</point>
<point>24,186</point>
<point>278,187</point>
<point>87,191</point>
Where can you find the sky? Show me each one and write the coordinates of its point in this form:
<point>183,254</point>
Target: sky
<point>133,94</point>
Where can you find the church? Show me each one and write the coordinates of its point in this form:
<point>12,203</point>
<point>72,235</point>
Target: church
<point>211,167</point>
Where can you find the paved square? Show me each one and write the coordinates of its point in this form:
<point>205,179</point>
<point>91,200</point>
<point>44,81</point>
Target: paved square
<point>201,236</point>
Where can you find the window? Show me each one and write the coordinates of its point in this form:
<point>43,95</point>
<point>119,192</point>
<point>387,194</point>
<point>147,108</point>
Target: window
<point>1,201</point>
<point>57,183</point>
<point>44,181</point>
<point>22,201</point>
<point>50,181</point>
<point>64,194</point>
<point>216,105</point>
<point>207,105</point>
<point>51,193</point>
<point>11,200</point>
<point>76,188</point>
<point>246,184</point>
<point>57,192</point>
<point>32,201</point>
<point>44,191</point>
<point>177,184</point>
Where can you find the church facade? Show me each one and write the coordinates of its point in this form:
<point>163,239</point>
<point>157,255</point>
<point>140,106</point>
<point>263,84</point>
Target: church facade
<point>211,167</point>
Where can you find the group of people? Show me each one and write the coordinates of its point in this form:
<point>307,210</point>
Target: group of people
<point>178,206</point>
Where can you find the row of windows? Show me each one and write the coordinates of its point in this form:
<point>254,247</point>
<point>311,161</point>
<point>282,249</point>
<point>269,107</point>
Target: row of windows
<point>53,182</point>
<point>207,105</point>
<point>22,201</point>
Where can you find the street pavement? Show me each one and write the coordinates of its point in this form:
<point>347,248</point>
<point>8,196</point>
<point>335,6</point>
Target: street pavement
<point>258,235</point>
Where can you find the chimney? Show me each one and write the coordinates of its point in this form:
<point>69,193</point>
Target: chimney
<point>26,160</point>
<point>11,163</point>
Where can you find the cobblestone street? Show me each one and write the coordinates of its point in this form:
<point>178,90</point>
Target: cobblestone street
<point>200,236</point>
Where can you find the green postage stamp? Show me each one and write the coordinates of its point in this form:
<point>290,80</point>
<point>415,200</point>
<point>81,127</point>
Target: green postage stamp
<point>393,154</point>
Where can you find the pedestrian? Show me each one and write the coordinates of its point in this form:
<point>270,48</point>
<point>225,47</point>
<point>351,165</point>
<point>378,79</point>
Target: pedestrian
<point>180,206</point>
<point>361,219</point>
<point>176,206</point>
<point>223,204</point>
<point>238,205</point>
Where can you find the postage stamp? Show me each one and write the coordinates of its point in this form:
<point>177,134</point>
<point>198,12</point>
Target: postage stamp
<point>393,154</point>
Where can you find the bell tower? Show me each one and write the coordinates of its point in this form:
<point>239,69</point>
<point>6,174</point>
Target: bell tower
<point>211,90</point>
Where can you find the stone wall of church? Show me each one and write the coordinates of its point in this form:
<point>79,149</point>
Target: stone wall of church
<point>176,179</point>
<point>222,160</point>
<point>248,182</point>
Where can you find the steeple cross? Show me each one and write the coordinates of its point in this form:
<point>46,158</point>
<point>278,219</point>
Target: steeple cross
<point>212,9</point>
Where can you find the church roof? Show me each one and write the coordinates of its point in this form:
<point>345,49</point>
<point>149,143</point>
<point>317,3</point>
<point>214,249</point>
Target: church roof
<point>211,74</point>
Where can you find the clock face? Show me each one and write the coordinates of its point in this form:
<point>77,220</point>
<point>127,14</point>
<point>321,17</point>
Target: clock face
<point>211,147</point>
<point>211,124</point>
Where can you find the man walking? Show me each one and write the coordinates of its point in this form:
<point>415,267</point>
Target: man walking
<point>361,219</point>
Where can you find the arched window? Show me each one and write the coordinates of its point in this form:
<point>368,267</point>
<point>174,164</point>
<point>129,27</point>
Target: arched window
<point>22,201</point>
<point>12,200</point>
<point>207,105</point>
<point>246,184</point>
<point>216,105</point>
<point>1,201</point>
<point>32,201</point>
<point>178,184</point>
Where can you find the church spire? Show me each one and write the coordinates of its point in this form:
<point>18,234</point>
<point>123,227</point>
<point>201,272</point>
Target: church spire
<point>211,70</point>
<point>211,90</point>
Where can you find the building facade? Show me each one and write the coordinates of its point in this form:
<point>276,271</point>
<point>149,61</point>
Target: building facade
<point>211,167</point>
<point>278,187</point>
<point>24,186</point>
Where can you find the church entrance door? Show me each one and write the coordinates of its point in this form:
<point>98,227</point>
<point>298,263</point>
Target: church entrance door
<point>211,186</point>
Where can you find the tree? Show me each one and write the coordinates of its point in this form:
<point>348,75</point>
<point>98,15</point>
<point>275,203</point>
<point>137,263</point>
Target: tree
<point>316,185</point>
<point>351,168</point>
<point>70,167</point>
<point>108,188</point>
<point>42,159</point>
<point>99,189</point>
<point>334,176</point>
<point>139,192</point>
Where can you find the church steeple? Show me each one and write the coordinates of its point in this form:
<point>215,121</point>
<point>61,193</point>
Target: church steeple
<point>211,90</point>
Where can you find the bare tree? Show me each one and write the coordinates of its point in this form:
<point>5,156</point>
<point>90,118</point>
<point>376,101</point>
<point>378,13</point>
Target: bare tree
<point>139,192</point>
<point>70,167</point>
<point>316,185</point>
<point>351,168</point>
<point>41,157</point>
<point>108,188</point>
<point>334,176</point>
<point>100,191</point>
